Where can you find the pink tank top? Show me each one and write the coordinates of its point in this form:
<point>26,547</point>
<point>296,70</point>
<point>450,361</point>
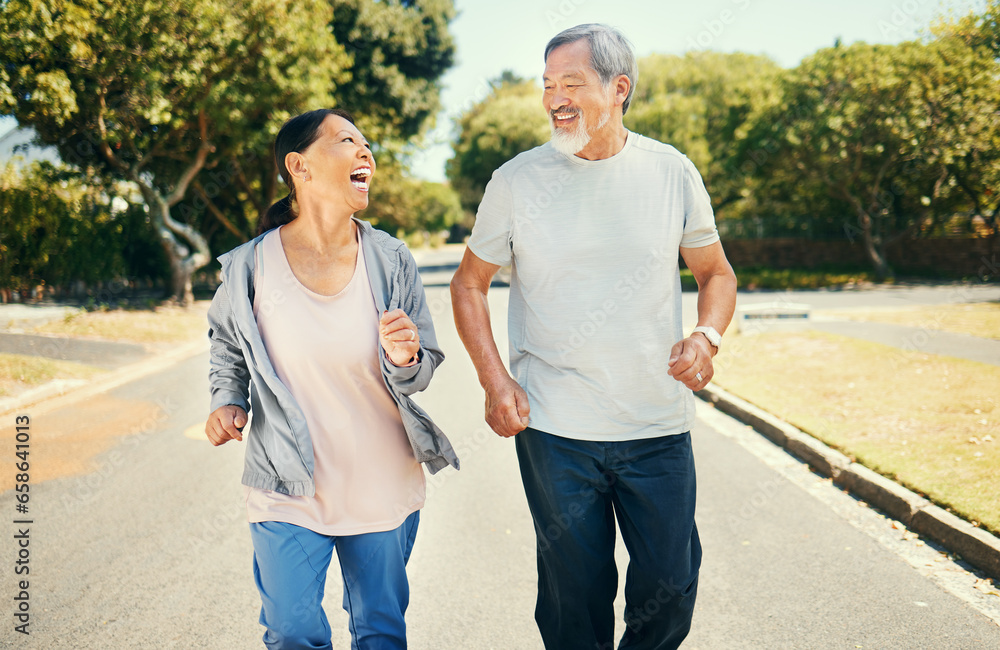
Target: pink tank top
<point>325,349</point>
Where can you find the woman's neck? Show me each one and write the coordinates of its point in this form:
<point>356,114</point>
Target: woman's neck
<point>321,230</point>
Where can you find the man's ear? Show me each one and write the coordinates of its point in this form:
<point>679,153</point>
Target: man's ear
<point>622,87</point>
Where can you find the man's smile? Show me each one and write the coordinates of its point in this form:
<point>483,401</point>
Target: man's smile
<point>565,117</point>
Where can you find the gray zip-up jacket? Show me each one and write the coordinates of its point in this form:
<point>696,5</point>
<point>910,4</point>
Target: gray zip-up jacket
<point>279,452</point>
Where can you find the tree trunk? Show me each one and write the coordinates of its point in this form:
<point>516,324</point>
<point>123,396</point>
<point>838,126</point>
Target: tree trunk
<point>875,251</point>
<point>181,286</point>
<point>177,239</point>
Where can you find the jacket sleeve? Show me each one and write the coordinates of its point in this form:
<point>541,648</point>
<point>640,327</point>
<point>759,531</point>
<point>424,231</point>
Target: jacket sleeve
<point>228,376</point>
<point>415,378</point>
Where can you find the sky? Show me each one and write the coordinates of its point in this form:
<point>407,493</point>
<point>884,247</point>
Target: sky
<point>494,36</point>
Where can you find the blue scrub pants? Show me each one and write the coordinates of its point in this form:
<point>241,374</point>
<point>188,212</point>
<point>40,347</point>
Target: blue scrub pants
<point>575,490</point>
<point>290,564</point>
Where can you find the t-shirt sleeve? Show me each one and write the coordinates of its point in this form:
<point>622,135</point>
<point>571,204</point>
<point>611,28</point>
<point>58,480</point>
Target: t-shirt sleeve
<point>699,219</point>
<point>492,234</point>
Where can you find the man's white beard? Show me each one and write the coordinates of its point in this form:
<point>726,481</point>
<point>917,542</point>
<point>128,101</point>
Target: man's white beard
<point>572,141</point>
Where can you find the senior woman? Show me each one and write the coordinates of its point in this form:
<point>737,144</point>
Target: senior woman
<point>320,331</point>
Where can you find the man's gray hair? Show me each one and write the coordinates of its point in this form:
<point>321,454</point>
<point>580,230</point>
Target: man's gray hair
<point>611,53</point>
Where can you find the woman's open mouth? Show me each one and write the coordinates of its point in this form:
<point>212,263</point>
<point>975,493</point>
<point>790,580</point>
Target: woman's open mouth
<point>361,178</point>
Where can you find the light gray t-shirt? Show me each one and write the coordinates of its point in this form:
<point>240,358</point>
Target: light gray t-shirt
<point>595,302</point>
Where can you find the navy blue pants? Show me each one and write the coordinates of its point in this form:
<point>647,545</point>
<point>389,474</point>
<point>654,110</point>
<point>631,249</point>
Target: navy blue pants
<point>290,564</point>
<point>575,490</point>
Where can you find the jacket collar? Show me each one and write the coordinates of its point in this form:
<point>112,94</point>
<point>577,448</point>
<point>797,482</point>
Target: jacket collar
<point>238,267</point>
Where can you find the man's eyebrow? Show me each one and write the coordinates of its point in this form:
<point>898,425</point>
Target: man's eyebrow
<point>566,75</point>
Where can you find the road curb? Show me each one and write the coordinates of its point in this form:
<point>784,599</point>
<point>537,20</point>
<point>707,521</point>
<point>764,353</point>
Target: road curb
<point>60,393</point>
<point>975,545</point>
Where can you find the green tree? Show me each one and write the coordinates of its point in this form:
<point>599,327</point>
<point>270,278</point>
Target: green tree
<point>398,51</point>
<point>980,31</point>
<point>977,166</point>
<point>881,128</point>
<point>404,205</point>
<point>506,122</point>
<point>157,93</point>
<point>438,206</point>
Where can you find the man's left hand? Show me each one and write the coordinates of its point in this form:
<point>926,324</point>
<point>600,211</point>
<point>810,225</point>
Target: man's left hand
<point>691,361</point>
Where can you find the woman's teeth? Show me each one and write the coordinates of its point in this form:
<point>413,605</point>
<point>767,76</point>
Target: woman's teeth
<point>360,177</point>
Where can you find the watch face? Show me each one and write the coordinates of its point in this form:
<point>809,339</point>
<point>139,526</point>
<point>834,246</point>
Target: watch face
<point>712,336</point>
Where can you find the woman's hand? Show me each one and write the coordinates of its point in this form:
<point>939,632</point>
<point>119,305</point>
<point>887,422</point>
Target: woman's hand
<point>399,337</point>
<point>224,424</point>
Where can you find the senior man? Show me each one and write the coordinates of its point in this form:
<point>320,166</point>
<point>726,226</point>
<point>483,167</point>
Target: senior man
<point>600,400</point>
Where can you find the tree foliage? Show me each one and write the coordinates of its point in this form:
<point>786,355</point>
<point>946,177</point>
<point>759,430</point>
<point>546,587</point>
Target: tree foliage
<point>184,99</point>
<point>154,93</point>
<point>977,165</point>
<point>889,131</point>
<point>403,205</point>
<point>981,31</point>
<point>397,51</point>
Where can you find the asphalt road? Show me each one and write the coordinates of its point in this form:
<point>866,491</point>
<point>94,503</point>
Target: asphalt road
<point>146,546</point>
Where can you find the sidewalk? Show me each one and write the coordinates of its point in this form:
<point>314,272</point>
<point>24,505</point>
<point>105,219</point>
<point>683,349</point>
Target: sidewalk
<point>124,361</point>
<point>14,317</point>
<point>102,354</point>
<point>922,339</point>
<point>59,393</point>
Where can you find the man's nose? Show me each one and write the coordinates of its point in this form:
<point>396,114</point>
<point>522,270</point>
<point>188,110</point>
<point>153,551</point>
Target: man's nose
<point>558,101</point>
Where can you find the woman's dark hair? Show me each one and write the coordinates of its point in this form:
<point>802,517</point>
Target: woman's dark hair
<point>295,135</point>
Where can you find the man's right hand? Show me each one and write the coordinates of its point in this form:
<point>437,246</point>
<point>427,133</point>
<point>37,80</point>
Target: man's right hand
<point>507,407</point>
<point>506,402</point>
<point>224,424</point>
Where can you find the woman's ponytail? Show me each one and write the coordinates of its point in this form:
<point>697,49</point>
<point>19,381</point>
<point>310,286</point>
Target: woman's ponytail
<point>277,215</point>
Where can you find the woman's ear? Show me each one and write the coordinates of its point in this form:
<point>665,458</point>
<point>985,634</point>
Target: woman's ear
<point>296,165</point>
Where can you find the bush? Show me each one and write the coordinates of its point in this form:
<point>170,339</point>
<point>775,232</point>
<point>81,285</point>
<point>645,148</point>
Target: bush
<point>777,279</point>
<point>56,230</point>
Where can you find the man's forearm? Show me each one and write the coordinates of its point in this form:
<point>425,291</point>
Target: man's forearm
<point>472,319</point>
<point>717,301</point>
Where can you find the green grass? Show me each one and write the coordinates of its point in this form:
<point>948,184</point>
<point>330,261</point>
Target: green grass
<point>927,421</point>
<point>763,278</point>
<point>162,324</point>
<point>19,372</point>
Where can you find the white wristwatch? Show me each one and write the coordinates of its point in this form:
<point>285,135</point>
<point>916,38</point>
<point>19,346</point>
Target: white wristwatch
<point>713,337</point>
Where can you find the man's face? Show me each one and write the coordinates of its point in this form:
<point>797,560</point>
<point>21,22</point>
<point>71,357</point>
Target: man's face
<point>577,102</point>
